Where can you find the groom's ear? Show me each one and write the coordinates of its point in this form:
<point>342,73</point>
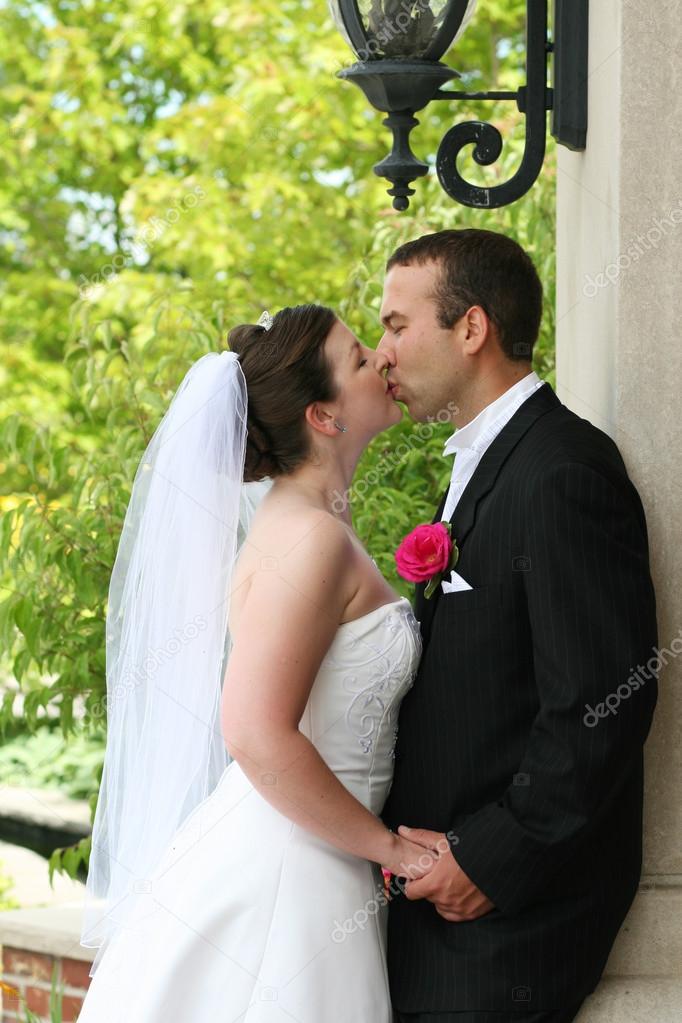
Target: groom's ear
<point>476,329</point>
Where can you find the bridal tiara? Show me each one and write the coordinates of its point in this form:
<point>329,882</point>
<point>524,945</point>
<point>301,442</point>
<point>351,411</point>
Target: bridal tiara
<point>265,320</point>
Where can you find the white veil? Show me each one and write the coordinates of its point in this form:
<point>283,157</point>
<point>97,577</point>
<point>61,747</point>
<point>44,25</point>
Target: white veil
<point>167,639</point>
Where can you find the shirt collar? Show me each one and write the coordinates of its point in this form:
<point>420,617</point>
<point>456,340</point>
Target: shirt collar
<point>477,434</point>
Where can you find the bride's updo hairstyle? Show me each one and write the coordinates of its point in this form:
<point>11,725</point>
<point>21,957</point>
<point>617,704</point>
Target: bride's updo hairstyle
<point>285,369</point>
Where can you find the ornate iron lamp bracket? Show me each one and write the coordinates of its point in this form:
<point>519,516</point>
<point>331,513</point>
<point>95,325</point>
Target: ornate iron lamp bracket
<point>406,77</point>
<point>534,100</point>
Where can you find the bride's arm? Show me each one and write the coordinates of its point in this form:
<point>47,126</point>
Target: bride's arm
<point>285,627</point>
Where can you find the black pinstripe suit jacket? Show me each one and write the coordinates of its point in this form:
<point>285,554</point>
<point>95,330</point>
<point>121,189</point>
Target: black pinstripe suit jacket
<point>495,740</point>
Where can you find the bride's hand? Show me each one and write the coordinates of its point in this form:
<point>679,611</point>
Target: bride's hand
<point>407,859</point>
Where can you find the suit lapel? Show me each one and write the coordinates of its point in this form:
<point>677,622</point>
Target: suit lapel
<point>464,516</point>
<point>487,470</point>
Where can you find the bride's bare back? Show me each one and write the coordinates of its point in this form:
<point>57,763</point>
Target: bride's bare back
<point>279,528</point>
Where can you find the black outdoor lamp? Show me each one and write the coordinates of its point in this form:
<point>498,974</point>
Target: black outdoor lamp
<point>399,45</point>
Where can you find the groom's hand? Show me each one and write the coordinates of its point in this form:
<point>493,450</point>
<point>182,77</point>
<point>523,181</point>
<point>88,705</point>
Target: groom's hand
<point>452,892</point>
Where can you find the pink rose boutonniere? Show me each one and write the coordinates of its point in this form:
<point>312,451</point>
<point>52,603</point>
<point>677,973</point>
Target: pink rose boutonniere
<point>427,553</point>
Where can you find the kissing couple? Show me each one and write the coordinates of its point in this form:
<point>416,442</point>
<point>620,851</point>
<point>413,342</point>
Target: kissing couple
<point>325,803</point>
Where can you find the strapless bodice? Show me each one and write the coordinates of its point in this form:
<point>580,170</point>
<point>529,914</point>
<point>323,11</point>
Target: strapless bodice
<point>351,714</point>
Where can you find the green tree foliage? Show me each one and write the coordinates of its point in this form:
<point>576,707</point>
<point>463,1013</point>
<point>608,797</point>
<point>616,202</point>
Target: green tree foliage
<point>169,170</point>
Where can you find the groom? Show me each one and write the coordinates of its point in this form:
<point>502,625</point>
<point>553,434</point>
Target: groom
<point>519,751</point>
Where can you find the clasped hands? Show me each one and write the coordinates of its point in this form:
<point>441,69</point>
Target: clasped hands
<point>445,884</point>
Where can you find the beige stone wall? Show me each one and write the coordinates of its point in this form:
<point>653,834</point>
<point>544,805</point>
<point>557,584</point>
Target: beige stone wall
<point>619,364</point>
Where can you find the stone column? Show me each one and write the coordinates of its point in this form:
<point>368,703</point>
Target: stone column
<point>619,364</point>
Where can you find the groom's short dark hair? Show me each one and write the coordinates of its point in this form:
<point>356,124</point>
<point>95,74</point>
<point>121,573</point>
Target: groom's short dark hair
<point>482,268</point>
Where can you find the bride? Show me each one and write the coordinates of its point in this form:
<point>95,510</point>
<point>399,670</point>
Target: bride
<point>256,660</point>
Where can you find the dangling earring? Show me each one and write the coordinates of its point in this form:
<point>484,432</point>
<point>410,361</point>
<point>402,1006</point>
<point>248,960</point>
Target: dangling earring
<point>341,428</point>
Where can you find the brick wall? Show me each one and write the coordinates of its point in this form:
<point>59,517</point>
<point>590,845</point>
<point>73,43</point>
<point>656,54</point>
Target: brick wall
<point>26,981</point>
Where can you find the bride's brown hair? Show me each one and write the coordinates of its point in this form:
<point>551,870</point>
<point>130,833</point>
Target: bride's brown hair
<point>285,368</point>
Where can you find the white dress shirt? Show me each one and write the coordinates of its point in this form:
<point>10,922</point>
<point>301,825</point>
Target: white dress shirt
<point>471,441</point>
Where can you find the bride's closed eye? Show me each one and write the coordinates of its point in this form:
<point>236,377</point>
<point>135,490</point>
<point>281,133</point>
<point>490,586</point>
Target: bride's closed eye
<point>363,362</point>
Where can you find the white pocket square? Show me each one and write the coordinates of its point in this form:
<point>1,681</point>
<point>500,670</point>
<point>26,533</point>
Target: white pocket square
<point>455,583</point>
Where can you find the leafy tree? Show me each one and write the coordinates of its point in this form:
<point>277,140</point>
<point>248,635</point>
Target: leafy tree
<point>168,170</point>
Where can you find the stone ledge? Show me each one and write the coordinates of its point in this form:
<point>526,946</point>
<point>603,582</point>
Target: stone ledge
<point>45,808</point>
<point>42,819</point>
<point>54,930</point>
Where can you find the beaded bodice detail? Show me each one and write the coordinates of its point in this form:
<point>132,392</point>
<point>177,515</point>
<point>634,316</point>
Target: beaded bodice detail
<point>351,715</point>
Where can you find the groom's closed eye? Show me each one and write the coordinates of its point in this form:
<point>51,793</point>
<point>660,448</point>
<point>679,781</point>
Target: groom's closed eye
<point>390,323</point>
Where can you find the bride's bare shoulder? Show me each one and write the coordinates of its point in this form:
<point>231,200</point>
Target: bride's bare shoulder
<point>296,542</point>
<point>288,525</point>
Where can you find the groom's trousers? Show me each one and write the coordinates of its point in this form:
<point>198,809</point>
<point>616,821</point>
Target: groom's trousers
<point>564,1015</point>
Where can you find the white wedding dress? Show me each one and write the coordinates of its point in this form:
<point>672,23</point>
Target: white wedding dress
<point>249,918</point>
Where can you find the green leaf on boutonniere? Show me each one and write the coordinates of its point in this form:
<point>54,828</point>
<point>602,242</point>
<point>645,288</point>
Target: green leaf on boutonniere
<point>437,579</point>
<point>455,556</point>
